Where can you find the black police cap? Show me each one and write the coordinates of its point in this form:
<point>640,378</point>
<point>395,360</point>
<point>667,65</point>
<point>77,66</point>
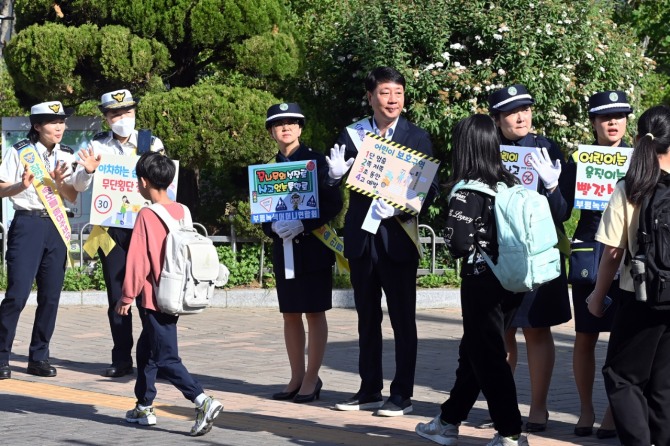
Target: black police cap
<point>608,102</point>
<point>284,111</point>
<point>509,98</point>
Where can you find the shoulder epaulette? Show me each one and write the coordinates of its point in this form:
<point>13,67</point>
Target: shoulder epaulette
<point>67,149</point>
<point>100,135</point>
<point>21,144</point>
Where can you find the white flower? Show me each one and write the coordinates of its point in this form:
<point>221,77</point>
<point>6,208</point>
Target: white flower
<point>341,59</point>
<point>430,67</point>
<point>456,46</point>
<point>479,62</point>
<point>446,55</point>
<point>503,28</point>
<point>588,56</point>
<point>457,64</point>
<point>478,38</point>
<point>627,54</point>
<point>439,64</point>
<point>602,69</point>
<point>567,21</point>
<point>497,36</point>
<point>531,5</point>
<point>502,72</point>
<point>477,89</point>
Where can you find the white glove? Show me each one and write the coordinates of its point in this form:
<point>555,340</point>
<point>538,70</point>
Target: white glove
<point>548,172</point>
<point>337,166</point>
<point>383,209</point>
<point>222,278</point>
<point>289,229</point>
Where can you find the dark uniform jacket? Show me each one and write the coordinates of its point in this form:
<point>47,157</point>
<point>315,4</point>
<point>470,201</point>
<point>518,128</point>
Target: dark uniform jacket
<point>309,253</point>
<point>394,240</point>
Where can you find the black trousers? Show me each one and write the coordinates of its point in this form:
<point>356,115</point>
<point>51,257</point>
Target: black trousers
<point>114,271</point>
<point>637,373</point>
<point>35,252</point>
<point>157,350</point>
<point>370,274</point>
<point>482,359</point>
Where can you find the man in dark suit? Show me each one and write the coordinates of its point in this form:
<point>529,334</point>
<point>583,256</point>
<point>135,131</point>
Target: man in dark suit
<point>386,260</point>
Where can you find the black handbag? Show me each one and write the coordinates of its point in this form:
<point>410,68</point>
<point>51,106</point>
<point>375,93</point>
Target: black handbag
<point>584,262</point>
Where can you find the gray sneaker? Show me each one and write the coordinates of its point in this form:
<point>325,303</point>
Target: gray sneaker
<point>499,440</point>
<point>445,434</point>
<point>144,417</point>
<point>204,416</point>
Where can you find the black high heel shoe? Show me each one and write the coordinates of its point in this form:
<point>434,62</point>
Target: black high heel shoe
<point>310,396</point>
<point>537,427</point>
<point>285,395</point>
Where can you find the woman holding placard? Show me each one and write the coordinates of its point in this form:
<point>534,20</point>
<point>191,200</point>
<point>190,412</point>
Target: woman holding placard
<point>608,112</point>
<point>549,305</point>
<point>310,290</point>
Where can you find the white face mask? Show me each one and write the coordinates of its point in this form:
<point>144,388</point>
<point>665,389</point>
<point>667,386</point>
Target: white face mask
<point>124,127</point>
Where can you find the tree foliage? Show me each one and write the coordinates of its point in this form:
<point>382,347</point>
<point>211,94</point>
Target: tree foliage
<point>199,34</point>
<point>563,51</point>
<point>73,64</point>
<point>650,21</point>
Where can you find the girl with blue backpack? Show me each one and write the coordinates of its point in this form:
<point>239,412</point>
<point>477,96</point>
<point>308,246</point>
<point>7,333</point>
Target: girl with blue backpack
<point>487,307</point>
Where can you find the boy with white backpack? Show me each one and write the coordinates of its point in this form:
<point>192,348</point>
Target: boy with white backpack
<point>157,346</point>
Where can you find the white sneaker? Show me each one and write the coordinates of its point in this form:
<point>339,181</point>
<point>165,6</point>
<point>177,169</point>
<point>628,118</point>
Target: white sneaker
<point>145,417</point>
<point>204,416</point>
<point>439,433</point>
<point>499,440</point>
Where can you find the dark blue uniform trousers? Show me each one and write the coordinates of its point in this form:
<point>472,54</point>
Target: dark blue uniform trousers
<point>114,271</point>
<point>35,252</point>
<point>371,273</point>
<point>157,350</point>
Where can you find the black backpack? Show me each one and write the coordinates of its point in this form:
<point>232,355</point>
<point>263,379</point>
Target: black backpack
<point>653,237</point>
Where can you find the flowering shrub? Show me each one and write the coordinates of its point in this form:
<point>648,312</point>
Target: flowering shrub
<point>455,52</point>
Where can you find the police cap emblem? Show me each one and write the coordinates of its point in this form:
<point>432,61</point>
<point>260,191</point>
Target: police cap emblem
<point>283,107</point>
<point>512,91</point>
<point>614,97</point>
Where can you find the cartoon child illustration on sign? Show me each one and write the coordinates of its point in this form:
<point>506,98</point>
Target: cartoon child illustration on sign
<point>295,201</point>
<point>125,204</point>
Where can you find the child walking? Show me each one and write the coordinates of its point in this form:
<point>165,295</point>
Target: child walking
<point>157,346</point>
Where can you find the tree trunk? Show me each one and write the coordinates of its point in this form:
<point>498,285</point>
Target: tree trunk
<point>6,22</point>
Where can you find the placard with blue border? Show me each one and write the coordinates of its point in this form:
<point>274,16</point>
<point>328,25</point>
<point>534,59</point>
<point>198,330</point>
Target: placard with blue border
<point>283,191</point>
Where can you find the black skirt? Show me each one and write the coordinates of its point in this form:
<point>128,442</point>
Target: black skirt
<point>311,292</point>
<point>585,322</point>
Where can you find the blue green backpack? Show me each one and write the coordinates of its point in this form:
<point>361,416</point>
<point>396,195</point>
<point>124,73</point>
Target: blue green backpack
<point>527,256</point>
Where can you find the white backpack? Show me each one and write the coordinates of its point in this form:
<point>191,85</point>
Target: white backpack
<point>190,268</point>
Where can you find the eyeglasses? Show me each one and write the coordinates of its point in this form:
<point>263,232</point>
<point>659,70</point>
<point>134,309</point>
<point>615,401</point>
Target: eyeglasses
<point>284,122</point>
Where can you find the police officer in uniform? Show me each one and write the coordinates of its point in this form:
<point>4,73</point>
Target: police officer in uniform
<point>549,305</point>
<point>608,114</point>
<point>36,248</point>
<point>118,108</point>
<point>310,291</point>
